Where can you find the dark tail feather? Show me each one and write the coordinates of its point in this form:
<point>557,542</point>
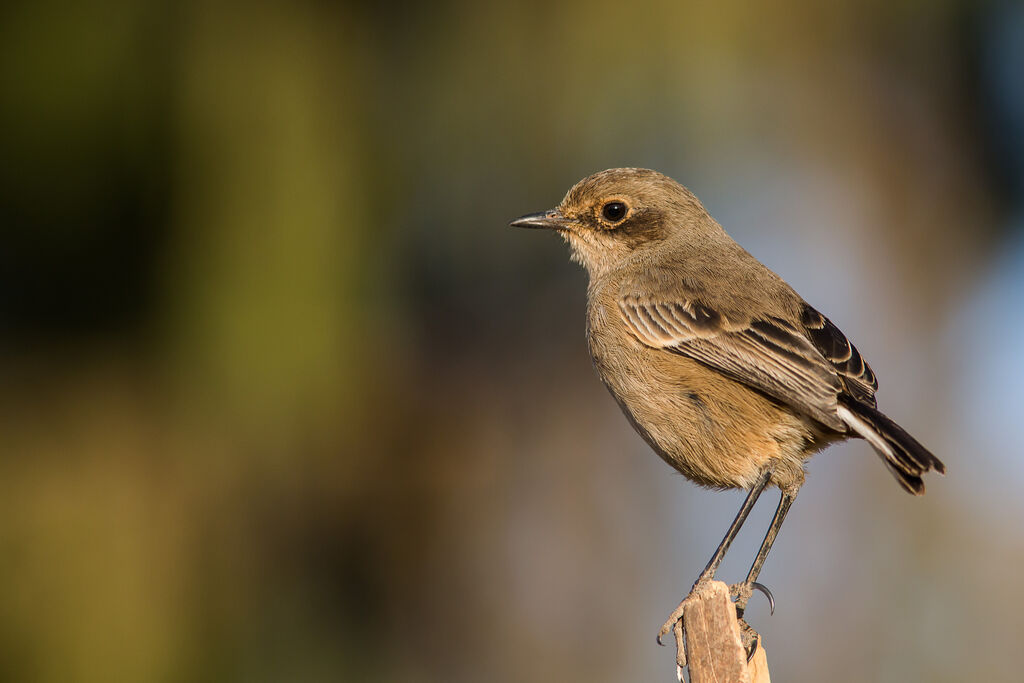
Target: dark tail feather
<point>903,455</point>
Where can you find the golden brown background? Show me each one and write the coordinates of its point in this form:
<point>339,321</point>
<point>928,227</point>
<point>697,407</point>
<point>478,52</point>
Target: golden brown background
<point>283,399</point>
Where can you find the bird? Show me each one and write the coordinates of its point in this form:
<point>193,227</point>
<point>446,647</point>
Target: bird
<point>721,367</point>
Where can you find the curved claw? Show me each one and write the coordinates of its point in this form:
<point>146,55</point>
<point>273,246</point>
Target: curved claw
<point>753,651</point>
<point>676,616</point>
<point>750,639</point>
<point>767,593</point>
<point>665,630</point>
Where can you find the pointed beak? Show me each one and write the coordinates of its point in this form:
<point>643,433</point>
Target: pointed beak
<point>551,220</point>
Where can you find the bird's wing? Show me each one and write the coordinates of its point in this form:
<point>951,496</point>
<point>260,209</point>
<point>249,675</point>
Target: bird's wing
<point>805,366</point>
<point>854,372</point>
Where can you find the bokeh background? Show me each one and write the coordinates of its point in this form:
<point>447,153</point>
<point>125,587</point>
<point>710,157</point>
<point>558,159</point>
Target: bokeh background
<point>283,399</point>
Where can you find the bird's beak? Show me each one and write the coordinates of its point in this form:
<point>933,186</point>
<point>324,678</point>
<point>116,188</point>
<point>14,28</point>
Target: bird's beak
<point>552,220</point>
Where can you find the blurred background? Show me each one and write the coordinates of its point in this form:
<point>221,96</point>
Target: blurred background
<point>283,399</point>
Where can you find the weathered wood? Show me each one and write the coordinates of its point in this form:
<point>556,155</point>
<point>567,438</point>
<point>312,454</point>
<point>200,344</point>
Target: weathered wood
<point>714,650</point>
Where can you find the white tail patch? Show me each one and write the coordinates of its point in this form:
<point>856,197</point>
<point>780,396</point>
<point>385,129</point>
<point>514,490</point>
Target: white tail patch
<point>861,427</point>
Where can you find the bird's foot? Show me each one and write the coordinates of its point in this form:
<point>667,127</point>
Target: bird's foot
<point>677,614</point>
<point>749,638</point>
<point>674,623</point>
<point>741,593</point>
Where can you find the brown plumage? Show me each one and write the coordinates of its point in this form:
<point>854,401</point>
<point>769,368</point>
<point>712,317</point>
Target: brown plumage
<point>728,374</point>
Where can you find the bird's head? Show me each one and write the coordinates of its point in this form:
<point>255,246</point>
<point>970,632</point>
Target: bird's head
<point>609,216</point>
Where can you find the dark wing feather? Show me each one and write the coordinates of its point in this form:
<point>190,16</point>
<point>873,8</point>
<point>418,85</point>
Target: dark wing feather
<point>768,354</point>
<point>856,375</point>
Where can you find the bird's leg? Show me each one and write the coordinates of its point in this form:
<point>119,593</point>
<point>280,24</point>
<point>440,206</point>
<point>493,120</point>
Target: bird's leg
<point>723,547</point>
<point>743,591</point>
<point>734,529</point>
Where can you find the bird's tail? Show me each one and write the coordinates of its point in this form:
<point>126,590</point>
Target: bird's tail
<point>903,455</point>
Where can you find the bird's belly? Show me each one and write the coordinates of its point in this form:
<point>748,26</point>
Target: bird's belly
<point>713,430</point>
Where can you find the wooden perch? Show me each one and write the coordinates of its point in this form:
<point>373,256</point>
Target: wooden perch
<point>714,646</point>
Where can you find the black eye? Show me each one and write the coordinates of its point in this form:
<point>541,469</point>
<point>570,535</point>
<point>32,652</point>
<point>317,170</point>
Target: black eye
<point>614,211</point>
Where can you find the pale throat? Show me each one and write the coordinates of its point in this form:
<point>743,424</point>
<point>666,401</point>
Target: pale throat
<point>597,256</point>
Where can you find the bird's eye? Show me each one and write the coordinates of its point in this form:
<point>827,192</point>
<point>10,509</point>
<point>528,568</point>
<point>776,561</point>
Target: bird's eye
<point>614,212</point>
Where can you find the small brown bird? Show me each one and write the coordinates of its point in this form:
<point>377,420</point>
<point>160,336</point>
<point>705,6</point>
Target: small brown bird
<point>724,370</point>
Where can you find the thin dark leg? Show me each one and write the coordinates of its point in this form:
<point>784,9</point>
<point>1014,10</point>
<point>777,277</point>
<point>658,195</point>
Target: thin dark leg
<point>769,538</point>
<point>741,516</point>
<point>723,547</point>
